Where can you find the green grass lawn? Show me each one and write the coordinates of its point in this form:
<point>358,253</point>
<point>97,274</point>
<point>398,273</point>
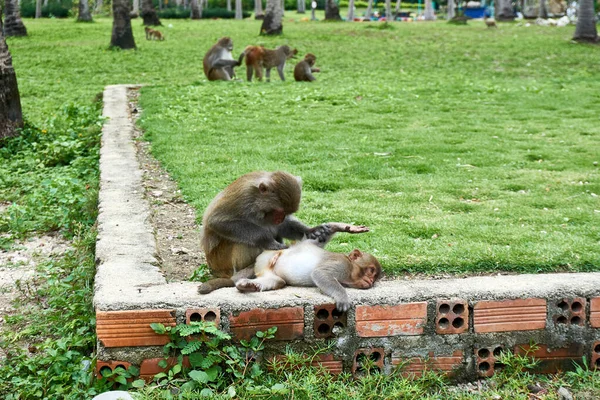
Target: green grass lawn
<point>464,149</point>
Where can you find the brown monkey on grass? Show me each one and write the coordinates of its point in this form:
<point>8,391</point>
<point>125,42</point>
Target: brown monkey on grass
<point>252,214</point>
<point>257,58</point>
<point>306,263</point>
<point>304,69</point>
<point>491,23</point>
<point>153,34</point>
<point>218,63</point>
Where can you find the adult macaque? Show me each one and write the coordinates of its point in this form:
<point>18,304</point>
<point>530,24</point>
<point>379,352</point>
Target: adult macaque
<point>218,63</point>
<point>257,58</point>
<point>304,69</point>
<point>153,34</point>
<point>307,264</point>
<point>252,214</point>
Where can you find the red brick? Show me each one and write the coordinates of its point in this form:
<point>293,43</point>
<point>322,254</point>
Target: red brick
<point>203,314</point>
<point>595,312</point>
<point>415,366</point>
<point>150,367</point>
<point>509,315</point>
<point>376,356</point>
<point>289,322</point>
<point>132,328</point>
<point>551,361</point>
<point>326,318</point>
<point>569,312</point>
<point>401,319</point>
<point>100,365</point>
<point>595,359</point>
<point>486,360</point>
<point>452,317</point>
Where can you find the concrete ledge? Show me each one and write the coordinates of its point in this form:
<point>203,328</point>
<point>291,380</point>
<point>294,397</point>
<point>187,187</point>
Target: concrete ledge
<point>455,325</point>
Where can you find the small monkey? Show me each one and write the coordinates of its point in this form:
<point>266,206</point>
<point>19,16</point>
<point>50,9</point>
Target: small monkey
<point>218,62</point>
<point>490,22</point>
<point>304,69</point>
<point>308,264</point>
<point>257,58</point>
<point>152,34</point>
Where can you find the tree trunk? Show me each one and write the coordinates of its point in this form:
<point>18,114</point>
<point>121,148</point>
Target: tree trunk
<point>543,12</point>
<point>272,24</point>
<point>38,9</point>
<point>122,35</point>
<point>451,7</point>
<point>429,15</point>
<point>350,10</point>
<point>332,11</point>
<point>228,5</point>
<point>136,8</point>
<point>585,30</point>
<point>369,11</point>
<point>13,25</point>
<point>149,13</point>
<point>503,10</point>
<point>196,9</point>
<point>99,5</point>
<point>258,10</point>
<point>238,10</point>
<point>301,6</point>
<point>84,12</point>
<point>398,6</point>
<point>11,116</point>
<point>388,10</point>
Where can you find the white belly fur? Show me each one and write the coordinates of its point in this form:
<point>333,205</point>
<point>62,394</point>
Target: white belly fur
<point>295,264</point>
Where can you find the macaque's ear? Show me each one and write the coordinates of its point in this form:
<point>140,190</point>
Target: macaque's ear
<point>355,254</point>
<point>264,184</point>
<point>299,180</point>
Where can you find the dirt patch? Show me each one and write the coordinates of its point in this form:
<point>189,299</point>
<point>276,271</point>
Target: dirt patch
<point>173,220</point>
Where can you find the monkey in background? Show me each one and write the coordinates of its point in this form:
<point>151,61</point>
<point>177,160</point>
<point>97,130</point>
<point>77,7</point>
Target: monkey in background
<point>257,58</point>
<point>307,264</point>
<point>490,22</point>
<point>252,214</point>
<point>218,62</point>
<point>304,69</point>
<point>152,34</point>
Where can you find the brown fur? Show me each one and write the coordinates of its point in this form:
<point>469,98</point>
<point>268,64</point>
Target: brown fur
<point>152,34</point>
<point>490,23</point>
<point>304,69</point>
<point>257,58</point>
<point>218,62</point>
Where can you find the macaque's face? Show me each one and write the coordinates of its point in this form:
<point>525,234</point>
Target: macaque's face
<point>366,270</point>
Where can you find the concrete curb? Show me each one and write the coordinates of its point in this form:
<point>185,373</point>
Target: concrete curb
<point>456,324</point>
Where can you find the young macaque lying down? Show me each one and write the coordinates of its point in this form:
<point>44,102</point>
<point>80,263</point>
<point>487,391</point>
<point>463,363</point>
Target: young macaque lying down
<point>306,263</point>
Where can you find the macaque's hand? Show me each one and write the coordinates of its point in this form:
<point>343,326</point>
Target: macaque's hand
<point>275,245</point>
<point>341,227</point>
<point>246,285</point>
<point>342,305</point>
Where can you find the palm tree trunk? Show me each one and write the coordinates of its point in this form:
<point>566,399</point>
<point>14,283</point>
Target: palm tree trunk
<point>228,5</point>
<point>122,35</point>
<point>350,11</point>
<point>543,11</point>
<point>84,12</point>
<point>451,7</point>
<point>301,6</point>
<point>388,10</point>
<point>136,8</point>
<point>398,6</point>
<point>149,13</point>
<point>11,115</point>
<point>332,11</point>
<point>38,9</point>
<point>238,9</point>
<point>429,15</point>
<point>504,11</point>
<point>13,24</point>
<point>585,30</point>
<point>369,11</point>
<point>258,10</point>
<point>272,24</point>
<point>99,4</point>
<point>196,9</point>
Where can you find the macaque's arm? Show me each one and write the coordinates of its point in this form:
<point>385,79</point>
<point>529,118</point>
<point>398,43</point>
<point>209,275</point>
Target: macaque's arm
<point>240,231</point>
<point>331,287</point>
<point>292,229</point>
<point>322,234</point>
<point>225,63</point>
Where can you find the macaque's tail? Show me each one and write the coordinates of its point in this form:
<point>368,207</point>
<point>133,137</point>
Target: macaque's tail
<point>215,284</point>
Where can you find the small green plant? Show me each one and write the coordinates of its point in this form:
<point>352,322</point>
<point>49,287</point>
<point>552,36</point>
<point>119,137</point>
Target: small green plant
<point>199,357</point>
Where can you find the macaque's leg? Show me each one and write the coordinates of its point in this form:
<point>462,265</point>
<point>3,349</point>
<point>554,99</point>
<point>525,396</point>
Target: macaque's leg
<point>268,74</point>
<point>263,283</point>
<point>249,72</point>
<point>322,234</point>
<point>280,71</point>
